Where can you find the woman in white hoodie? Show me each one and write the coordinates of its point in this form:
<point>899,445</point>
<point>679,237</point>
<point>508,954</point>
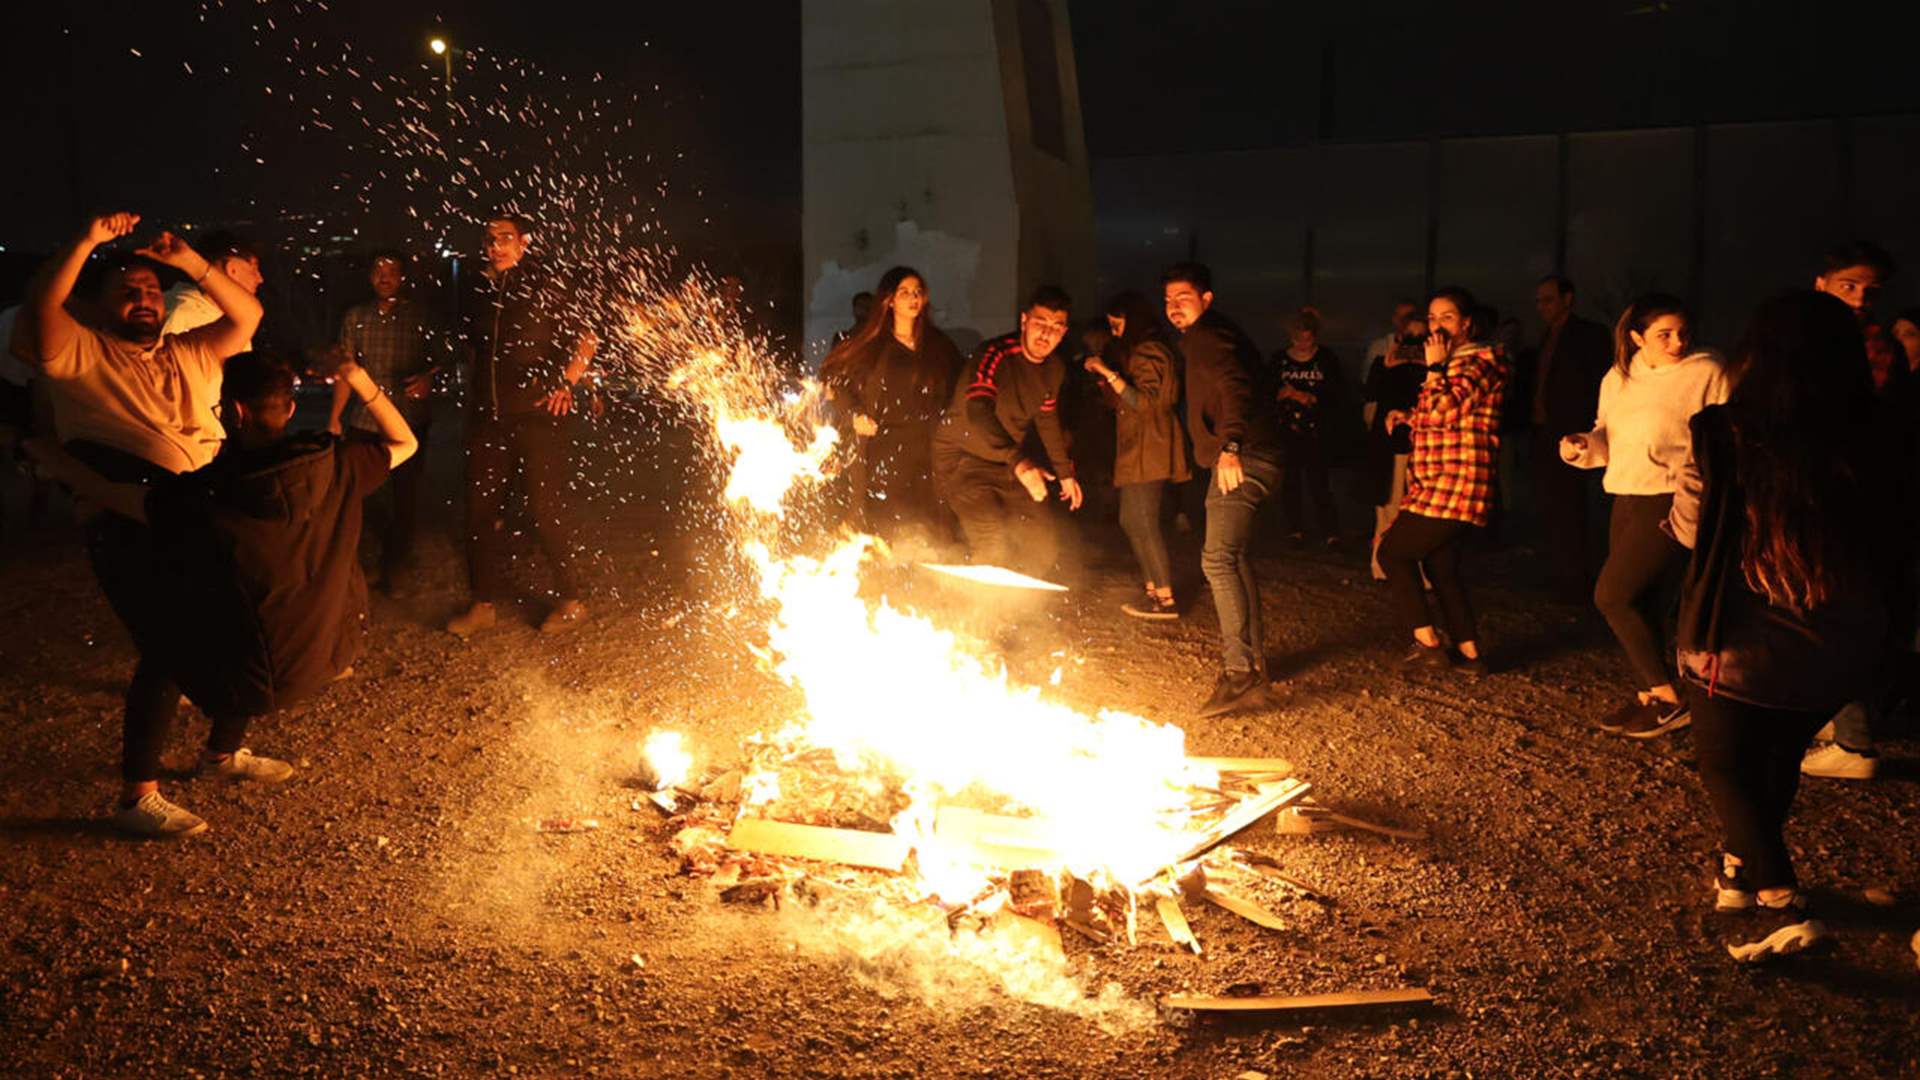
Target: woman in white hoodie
<point>1640,436</point>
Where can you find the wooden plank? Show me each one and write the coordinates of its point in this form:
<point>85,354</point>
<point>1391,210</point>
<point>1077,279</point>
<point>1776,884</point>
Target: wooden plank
<point>996,840</point>
<point>1245,814</point>
<point>1022,932</point>
<point>1244,908</point>
<point>875,851</point>
<point>1176,923</point>
<point>1348,1000</point>
<point>1274,766</point>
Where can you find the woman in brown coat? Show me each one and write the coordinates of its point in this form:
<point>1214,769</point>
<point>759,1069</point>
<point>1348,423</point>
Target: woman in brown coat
<point>1141,374</point>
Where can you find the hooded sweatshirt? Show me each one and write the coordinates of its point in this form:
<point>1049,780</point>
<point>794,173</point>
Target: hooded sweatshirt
<point>265,543</point>
<point>1640,433</point>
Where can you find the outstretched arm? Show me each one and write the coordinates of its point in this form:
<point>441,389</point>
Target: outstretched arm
<point>127,500</point>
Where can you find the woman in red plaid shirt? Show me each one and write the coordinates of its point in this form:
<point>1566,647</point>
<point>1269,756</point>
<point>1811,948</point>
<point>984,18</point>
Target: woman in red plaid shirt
<point>1450,480</point>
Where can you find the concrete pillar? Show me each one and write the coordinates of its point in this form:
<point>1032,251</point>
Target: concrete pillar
<point>932,138</point>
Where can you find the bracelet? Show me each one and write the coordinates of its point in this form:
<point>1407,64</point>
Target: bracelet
<point>204,273</point>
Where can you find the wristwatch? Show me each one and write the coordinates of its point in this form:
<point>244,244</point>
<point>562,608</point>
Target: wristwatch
<point>1231,446</point>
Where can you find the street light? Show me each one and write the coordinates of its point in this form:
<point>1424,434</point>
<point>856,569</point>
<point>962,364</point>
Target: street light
<point>444,51</point>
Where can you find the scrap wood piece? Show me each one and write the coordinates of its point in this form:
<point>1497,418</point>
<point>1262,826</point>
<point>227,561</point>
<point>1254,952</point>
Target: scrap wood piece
<point>1310,817</point>
<point>1176,923</point>
<point>875,851</point>
<point>1268,865</point>
<point>1278,767</point>
<point>1020,931</point>
<point>1298,1002</point>
<point>1244,908</point>
<point>997,840</point>
<point>1245,814</point>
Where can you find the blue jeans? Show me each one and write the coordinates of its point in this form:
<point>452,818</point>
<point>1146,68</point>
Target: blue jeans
<point>1229,568</point>
<point>1140,520</point>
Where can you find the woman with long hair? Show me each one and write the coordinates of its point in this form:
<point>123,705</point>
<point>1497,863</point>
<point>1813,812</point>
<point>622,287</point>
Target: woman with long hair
<point>1782,611</point>
<point>1640,436</point>
<point>1141,372</point>
<point>1450,481</point>
<point>891,379</point>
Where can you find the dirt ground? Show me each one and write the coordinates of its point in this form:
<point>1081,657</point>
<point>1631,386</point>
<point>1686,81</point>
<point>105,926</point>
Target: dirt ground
<point>392,910</point>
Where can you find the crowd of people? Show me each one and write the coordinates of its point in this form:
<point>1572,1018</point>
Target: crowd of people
<point>1759,567</point>
<point>1759,572</point>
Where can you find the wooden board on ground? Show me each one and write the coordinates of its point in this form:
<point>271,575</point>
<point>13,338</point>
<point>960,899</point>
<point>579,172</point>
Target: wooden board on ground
<point>1175,921</point>
<point>1349,1000</point>
<point>1248,812</point>
<point>1244,908</point>
<point>996,840</point>
<point>875,851</point>
<point>1264,766</point>
<point>1022,932</point>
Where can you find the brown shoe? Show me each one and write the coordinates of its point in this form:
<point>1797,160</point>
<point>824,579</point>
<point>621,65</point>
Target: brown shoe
<point>477,618</point>
<point>568,613</point>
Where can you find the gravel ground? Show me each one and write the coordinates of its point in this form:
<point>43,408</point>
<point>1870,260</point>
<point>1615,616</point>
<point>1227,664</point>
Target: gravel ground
<point>392,910</point>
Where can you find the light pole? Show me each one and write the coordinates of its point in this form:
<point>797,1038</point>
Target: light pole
<point>445,52</point>
<point>444,49</point>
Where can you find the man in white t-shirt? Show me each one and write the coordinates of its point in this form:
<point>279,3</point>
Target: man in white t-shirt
<point>188,305</point>
<point>137,405</point>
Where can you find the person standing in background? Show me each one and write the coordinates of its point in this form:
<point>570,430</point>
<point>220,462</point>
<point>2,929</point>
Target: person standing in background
<point>1561,389</point>
<point>1306,376</point>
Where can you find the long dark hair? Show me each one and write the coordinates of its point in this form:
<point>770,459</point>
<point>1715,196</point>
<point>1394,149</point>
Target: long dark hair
<point>1801,449</point>
<point>847,361</point>
<point>1470,310</point>
<point>1641,314</point>
<point>1141,318</point>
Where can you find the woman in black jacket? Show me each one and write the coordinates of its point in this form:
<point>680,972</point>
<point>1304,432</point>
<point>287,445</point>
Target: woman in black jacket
<point>891,379</point>
<point>1782,616</point>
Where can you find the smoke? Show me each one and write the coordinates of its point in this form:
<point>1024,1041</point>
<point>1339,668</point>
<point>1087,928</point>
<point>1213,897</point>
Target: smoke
<point>900,950</point>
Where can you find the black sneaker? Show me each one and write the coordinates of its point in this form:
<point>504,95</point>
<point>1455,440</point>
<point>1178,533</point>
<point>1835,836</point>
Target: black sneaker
<point>1233,691</point>
<point>1471,666</point>
<point>1617,720</point>
<point>1776,930</point>
<point>1425,658</point>
<point>1658,718</point>
<point>1732,894</point>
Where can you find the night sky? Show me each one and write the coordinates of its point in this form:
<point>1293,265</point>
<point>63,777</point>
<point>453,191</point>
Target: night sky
<point>163,131</point>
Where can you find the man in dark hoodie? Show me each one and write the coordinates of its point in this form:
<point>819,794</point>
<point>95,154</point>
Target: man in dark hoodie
<point>1234,435</point>
<point>258,554</point>
<point>522,379</point>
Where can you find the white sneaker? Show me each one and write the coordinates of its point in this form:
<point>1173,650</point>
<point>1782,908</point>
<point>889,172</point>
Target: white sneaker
<point>247,765</point>
<point>1836,762</point>
<point>153,815</point>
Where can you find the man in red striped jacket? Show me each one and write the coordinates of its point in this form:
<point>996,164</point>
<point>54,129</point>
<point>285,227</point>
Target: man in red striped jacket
<point>981,466</point>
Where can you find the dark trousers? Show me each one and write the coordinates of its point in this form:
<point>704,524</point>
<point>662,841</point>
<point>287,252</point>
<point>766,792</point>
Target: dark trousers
<point>1226,561</point>
<point>1304,477</point>
<point>1414,542</point>
<point>1749,762</point>
<point>899,480</point>
<point>541,451</point>
<point>394,511</point>
<point>1003,525</point>
<point>1560,500</point>
<point>1140,520</point>
<point>1635,585</point>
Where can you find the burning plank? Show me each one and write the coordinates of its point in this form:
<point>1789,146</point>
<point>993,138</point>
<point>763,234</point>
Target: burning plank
<point>1276,767</point>
<point>998,576</point>
<point>996,840</point>
<point>874,851</point>
<point>1245,814</point>
<point>1176,923</point>
<point>1298,1002</point>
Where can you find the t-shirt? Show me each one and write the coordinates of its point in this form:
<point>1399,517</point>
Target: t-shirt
<point>1312,376</point>
<point>190,308</point>
<point>1641,431</point>
<point>154,401</point>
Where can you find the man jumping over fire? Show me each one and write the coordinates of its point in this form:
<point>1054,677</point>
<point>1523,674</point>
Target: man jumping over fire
<point>980,467</point>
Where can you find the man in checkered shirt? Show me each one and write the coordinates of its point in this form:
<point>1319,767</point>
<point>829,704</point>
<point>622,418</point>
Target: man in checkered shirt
<point>396,341</point>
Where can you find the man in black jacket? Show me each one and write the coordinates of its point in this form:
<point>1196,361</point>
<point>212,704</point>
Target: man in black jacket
<point>1235,435</point>
<point>980,465</point>
<point>259,573</point>
<point>1561,394</point>
<point>522,386</point>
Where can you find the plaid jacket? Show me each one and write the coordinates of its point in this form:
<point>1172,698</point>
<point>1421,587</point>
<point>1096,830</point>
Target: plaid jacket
<point>1456,439</point>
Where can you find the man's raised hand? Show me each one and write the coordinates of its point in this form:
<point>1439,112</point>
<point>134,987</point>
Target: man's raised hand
<point>107,228</point>
<point>169,250</point>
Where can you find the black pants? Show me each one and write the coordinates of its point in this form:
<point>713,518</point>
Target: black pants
<point>1304,475</point>
<point>1635,586</point>
<point>1560,499</point>
<point>539,448</point>
<point>393,510</point>
<point>1749,762</point>
<point>1140,519</point>
<point>1413,542</point>
<point>1003,525</point>
<point>899,494</point>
